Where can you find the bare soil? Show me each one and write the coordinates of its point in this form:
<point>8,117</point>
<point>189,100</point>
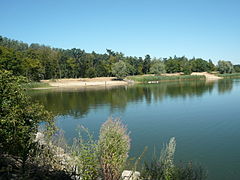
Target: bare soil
<point>84,82</point>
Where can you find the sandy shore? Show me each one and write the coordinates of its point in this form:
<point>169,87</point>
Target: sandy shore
<point>208,76</point>
<point>85,82</point>
<point>106,81</point>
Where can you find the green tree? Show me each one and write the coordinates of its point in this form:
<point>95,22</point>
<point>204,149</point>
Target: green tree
<point>172,65</point>
<point>158,68</point>
<point>72,67</point>
<point>9,60</point>
<point>237,68</point>
<point>33,69</point>
<point>225,67</point>
<point>120,69</point>
<point>211,65</point>
<point>146,64</point>
<point>199,65</point>
<point>187,68</point>
<point>91,72</point>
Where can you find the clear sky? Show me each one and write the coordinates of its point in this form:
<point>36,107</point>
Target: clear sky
<point>209,29</point>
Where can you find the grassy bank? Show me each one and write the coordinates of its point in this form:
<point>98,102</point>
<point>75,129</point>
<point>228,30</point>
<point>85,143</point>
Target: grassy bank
<point>146,79</point>
<point>233,75</point>
<point>32,85</point>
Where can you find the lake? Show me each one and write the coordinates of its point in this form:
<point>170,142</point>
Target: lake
<point>202,116</point>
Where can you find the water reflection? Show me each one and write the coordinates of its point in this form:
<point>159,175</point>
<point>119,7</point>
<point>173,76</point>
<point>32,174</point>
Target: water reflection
<point>77,102</point>
<point>225,86</point>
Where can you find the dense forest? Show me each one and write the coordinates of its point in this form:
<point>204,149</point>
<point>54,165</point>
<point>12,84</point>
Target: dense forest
<point>38,62</point>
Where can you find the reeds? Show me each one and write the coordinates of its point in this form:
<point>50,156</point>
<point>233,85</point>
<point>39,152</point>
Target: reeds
<point>32,85</point>
<point>114,145</point>
<point>157,79</point>
<point>233,75</point>
<point>165,169</point>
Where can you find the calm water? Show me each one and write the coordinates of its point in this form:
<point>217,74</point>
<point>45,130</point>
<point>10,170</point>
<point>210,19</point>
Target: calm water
<point>204,118</point>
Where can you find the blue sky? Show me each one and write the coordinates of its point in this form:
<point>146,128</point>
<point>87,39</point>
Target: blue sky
<point>202,28</point>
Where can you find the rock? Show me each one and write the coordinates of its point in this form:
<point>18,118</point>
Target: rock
<point>130,175</point>
<point>40,138</point>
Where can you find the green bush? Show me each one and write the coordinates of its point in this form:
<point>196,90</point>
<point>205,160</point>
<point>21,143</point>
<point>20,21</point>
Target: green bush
<point>113,145</point>
<point>19,117</point>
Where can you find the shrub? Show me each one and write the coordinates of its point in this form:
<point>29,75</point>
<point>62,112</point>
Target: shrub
<point>84,151</point>
<point>19,118</point>
<point>113,144</point>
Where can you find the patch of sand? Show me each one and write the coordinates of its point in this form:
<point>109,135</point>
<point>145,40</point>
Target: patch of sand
<point>84,82</point>
<point>207,75</point>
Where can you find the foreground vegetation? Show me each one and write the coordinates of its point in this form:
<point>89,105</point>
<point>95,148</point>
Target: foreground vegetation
<point>27,153</point>
<point>19,118</point>
<point>38,62</point>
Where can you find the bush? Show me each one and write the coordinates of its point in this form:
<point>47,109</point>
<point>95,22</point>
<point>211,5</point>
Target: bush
<point>113,144</point>
<point>19,118</point>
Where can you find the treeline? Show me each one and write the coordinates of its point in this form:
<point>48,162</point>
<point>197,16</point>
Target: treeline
<point>38,62</point>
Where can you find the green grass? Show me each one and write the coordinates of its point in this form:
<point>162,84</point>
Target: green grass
<point>146,79</point>
<point>32,85</point>
<point>233,75</point>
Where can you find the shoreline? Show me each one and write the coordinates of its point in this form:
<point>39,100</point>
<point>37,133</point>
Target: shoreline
<point>100,82</point>
<point>84,83</point>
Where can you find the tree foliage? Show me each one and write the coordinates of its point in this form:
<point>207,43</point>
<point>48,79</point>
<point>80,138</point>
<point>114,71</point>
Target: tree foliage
<point>120,69</point>
<point>38,62</point>
<point>237,68</point>
<point>158,68</point>
<point>19,118</point>
<point>225,67</point>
